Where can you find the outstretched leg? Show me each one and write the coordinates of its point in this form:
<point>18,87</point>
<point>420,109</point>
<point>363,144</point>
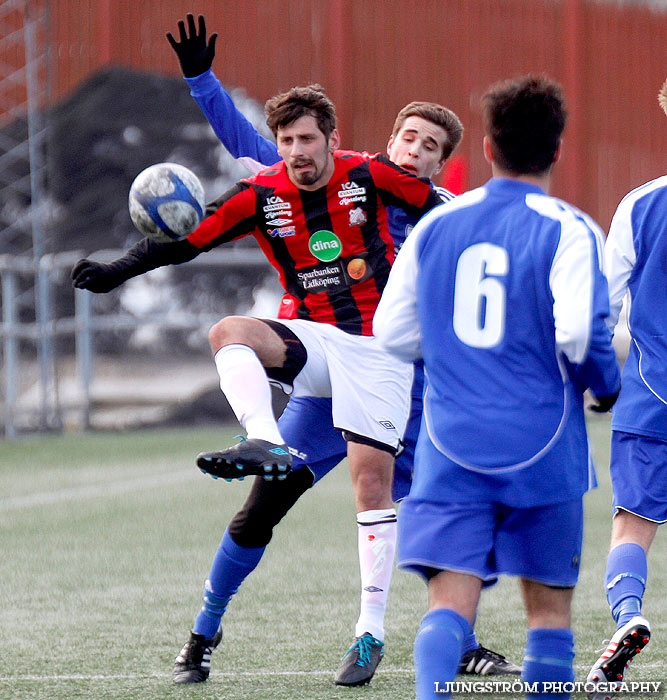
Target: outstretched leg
<point>244,348</point>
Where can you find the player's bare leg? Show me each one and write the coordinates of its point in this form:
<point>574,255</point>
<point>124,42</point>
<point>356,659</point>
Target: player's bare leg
<point>242,348</point>
<point>625,579</point>
<point>546,606</point>
<point>455,591</point>
<point>629,528</point>
<point>372,472</point>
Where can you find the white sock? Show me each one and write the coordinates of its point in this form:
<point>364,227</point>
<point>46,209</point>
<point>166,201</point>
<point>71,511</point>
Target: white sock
<point>243,381</point>
<point>377,546</point>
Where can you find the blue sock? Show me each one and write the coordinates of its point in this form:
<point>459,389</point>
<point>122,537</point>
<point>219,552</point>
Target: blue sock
<point>231,564</point>
<point>470,642</point>
<point>437,651</point>
<point>548,659</point>
<point>625,580</point>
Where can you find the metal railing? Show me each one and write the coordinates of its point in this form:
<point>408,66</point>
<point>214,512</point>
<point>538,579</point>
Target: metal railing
<point>51,274</point>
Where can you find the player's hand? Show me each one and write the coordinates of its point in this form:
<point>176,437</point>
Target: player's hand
<point>194,53</point>
<point>604,403</point>
<point>96,277</point>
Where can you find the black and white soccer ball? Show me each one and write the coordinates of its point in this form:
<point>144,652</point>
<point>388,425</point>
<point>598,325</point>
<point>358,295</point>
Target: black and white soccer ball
<point>166,202</point>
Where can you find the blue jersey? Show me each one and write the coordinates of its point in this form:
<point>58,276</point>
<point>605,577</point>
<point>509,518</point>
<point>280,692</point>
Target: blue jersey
<point>501,292</point>
<point>635,256</point>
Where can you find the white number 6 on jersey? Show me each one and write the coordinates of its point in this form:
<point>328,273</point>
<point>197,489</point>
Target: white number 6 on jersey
<point>475,284</point>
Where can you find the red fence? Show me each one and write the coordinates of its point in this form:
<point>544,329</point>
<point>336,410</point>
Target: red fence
<point>373,56</point>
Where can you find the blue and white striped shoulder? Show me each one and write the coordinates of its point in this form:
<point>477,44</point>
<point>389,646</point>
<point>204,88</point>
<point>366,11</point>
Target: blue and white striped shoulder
<point>445,195</point>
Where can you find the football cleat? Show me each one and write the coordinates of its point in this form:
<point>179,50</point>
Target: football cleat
<point>250,457</point>
<point>484,662</point>
<point>193,664</point>
<point>609,669</point>
<point>360,661</point>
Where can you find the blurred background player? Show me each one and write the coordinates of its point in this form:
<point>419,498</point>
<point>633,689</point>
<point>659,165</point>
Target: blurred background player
<point>330,197</point>
<point>502,294</point>
<point>635,255</point>
<point>423,137</point>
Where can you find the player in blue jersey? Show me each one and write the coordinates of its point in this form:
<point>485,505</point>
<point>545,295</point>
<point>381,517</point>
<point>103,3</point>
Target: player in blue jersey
<point>635,265</point>
<point>422,139</point>
<point>501,293</point>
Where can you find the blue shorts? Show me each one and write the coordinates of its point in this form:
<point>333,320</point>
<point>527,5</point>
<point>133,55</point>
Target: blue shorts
<point>306,425</point>
<point>485,540</point>
<point>638,468</point>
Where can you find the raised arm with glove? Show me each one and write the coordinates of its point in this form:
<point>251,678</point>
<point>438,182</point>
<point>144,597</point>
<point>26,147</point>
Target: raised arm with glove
<point>195,53</point>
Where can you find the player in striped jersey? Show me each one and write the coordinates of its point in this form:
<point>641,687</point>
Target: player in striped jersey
<point>333,252</point>
<point>424,135</point>
<point>635,255</point>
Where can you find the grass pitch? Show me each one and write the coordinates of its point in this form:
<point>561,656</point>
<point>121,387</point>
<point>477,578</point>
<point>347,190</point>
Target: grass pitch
<point>106,540</point>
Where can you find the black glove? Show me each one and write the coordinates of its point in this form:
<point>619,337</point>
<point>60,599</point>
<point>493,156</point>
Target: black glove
<point>97,277</point>
<point>604,403</point>
<point>194,54</point>
<point>141,257</point>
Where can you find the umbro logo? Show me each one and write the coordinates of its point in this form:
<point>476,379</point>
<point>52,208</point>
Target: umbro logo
<point>373,589</point>
<point>278,451</point>
<point>279,222</point>
<point>387,424</point>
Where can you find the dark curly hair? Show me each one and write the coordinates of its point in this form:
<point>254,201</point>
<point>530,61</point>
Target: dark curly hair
<point>524,119</point>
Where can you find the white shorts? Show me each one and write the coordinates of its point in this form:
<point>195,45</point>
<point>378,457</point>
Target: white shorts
<point>369,389</point>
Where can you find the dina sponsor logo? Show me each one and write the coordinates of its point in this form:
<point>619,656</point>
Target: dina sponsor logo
<point>325,246</point>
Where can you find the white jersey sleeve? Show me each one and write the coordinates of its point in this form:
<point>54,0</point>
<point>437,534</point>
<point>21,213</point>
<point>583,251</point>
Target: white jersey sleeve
<point>396,322</point>
<point>572,278</point>
<point>620,258</point>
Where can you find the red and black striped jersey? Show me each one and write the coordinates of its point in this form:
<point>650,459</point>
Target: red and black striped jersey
<point>332,247</point>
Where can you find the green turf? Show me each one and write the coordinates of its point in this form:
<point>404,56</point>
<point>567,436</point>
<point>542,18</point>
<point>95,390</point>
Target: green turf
<point>106,540</point>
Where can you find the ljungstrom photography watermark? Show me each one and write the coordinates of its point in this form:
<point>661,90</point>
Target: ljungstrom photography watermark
<point>517,687</point>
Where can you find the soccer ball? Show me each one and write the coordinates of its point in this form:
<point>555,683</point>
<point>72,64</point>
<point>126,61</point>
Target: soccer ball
<point>166,202</point>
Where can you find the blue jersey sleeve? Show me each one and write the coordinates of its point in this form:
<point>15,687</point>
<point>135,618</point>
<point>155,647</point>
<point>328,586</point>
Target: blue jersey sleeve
<point>235,132</point>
